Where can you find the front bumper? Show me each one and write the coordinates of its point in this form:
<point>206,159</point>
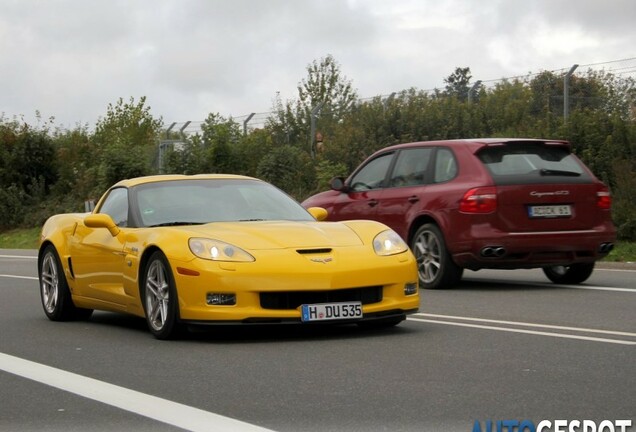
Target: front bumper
<point>276,273</point>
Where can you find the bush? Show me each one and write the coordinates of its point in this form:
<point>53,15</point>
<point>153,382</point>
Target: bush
<point>13,205</point>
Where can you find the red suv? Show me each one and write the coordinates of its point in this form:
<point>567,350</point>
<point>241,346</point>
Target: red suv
<point>482,203</point>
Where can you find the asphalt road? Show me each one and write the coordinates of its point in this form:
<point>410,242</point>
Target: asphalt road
<point>505,345</point>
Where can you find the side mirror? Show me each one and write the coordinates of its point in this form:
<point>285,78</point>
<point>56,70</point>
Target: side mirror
<point>338,184</point>
<point>319,213</point>
<point>102,220</point>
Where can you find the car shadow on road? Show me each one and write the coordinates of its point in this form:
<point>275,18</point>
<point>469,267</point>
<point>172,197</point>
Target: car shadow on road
<point>254,333</point>
<point>289,333</point>
<point>501,285</point>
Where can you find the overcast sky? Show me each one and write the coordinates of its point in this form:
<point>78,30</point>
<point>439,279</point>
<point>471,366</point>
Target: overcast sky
<point>70,58</point>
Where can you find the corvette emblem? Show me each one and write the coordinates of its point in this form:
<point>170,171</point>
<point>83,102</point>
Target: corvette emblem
<point>321,260</point>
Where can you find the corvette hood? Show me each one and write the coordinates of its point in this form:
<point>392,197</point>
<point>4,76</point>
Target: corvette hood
<point>280,235</point>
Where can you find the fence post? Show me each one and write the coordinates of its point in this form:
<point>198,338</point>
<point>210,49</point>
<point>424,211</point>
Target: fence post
<point>566,93</point>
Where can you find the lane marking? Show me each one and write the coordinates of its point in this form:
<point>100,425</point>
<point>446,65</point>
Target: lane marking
<point>18,256</point>
<point>532,332</point>
<point>19,277</point>
<point>172,413</point>
<point>527,324</point>
<point>614,270</point>
<point>548,284</point>
<point>597,288</point>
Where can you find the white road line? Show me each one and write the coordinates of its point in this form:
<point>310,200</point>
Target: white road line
<point>549,284</point>
<point>596,288</point>
<point>527,324</point>
<point>172,413</point>
<point>614,270</point>
<point>533,332</point>
<point>18,256</point>
<point>18,277</point>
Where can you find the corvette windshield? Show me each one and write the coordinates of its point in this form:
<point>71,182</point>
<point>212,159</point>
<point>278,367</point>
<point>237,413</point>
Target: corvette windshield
<point>197,201</point>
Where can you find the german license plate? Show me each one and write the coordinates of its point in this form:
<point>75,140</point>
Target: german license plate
<point>331,311</point>
<point>546,211</point>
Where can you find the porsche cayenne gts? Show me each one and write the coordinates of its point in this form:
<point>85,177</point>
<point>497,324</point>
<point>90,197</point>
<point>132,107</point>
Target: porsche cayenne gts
<point>482,203</point>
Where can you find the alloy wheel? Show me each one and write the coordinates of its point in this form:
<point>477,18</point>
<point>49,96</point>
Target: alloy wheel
<point>157,295</point>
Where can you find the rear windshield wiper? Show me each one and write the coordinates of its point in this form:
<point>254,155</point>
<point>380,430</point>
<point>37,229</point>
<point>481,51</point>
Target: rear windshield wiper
<point>175,223</point>
<point>550,172</point>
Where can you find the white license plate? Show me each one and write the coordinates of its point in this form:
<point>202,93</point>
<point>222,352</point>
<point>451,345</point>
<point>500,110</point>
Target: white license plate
<point>331,311</point>
<point>550,211</point>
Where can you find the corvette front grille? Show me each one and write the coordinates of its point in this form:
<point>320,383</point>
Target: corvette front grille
<point>293,299</point>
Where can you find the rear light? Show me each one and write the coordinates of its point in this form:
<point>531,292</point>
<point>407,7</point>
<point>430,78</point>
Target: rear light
<point>604,199</point>
<point>479,200</point>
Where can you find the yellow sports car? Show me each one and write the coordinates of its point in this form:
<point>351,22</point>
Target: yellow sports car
<point>207,249</point>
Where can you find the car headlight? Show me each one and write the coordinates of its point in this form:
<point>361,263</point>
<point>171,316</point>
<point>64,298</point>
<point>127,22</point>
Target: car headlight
<point>389,243</point>
<point>216,250</point>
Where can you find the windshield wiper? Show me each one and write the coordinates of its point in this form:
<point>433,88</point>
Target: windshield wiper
<point>175,223</point>
<point>550,172</point>
<point>250,220</point>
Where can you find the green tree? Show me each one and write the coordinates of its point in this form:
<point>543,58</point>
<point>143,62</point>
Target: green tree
<point>28,170</point>
<point>326,85</point>
<point>220,138</point>
<point>27,155</point>
<point>457,83</point>
<point>76,158</point>
<point>251,149</point>
<point>326,92</point>
<point>290,169</point>
<point>126,141</point>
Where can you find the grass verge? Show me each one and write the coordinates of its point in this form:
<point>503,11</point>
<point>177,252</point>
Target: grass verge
<point>20,238</point>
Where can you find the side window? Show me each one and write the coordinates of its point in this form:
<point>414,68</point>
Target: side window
<point>411,167</point>
<point>372,174</point>
<point>445,165</point>
<point>116,206</point>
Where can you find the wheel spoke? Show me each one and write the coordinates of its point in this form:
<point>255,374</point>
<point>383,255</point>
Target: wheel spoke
<point>157,295</point>
<point>49,283</point>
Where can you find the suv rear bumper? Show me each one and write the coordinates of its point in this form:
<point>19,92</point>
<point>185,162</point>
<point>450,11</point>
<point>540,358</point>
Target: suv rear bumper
<point>532,250</point>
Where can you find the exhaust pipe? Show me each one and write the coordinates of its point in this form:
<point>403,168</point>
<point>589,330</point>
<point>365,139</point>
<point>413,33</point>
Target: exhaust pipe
<point>493,252</point>
<point>606,247</point>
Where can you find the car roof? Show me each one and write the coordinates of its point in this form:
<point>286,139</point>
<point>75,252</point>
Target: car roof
<point>172,177</point>
<point>476,143</point>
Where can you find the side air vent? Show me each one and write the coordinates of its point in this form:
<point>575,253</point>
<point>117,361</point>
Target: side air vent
<point>313,251</point>
<point>70,268</point>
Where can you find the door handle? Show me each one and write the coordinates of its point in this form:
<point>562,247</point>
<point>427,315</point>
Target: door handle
<point>372,203</point>
<point>413,199</point>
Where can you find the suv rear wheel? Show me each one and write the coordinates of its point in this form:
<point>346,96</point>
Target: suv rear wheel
<point>572,274</point>
<point>435,267</point>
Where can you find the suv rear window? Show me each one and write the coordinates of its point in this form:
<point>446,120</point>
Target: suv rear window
<point>531,162</point>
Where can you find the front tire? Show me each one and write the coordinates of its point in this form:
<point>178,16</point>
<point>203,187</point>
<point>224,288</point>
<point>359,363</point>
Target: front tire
<point>572,274</point>
<point>160,298</point>
<point>435,267</point>
<point>54,291</point>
